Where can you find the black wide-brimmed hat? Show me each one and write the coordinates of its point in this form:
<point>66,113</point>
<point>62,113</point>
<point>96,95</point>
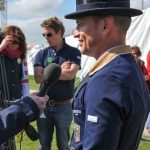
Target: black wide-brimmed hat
<point>103,7</point>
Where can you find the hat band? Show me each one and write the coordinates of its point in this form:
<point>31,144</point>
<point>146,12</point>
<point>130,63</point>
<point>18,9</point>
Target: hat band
<point>101,5</point>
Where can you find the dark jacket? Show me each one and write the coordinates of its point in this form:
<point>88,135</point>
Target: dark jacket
<point>111,107</point>
<point>16,117</point>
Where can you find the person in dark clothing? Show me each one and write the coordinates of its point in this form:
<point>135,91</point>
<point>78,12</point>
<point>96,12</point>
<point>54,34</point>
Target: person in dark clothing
<point>137,54</point>
<point>111,104</point>
<point>17,116</point>
<point>58,113</point>
<point>13,70</point>
<point>12,56</point>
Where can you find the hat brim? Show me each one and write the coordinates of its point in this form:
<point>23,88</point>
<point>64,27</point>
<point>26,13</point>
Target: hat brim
<point>105,11</point>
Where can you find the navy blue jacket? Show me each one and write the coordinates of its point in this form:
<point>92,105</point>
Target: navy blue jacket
<point>110,107</point>
<point>14,75</point>
<point>15,117</point>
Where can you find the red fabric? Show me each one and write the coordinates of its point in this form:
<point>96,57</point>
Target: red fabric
<point>144,72</point>
<point>25,63</point>
<point>12,53</point>
<point>148,62</point>
<point>142,66</point>
<point>25,81</point>
<point>26,72</point>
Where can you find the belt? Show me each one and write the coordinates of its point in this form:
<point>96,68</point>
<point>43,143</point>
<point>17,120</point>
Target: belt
<point>54,102</point>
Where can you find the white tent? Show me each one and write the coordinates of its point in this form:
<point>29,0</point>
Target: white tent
<point>138,34</point>
<point>30,57</point>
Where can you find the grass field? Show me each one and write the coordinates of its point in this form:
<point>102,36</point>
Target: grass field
<point>27,144</point>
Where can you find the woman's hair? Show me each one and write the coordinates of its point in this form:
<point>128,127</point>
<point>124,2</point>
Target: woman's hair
<point>136,50</point>
<point>1,36</point>
<point>16,32</point>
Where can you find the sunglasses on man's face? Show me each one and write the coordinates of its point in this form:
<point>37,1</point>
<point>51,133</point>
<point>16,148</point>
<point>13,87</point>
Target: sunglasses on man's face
<point>47,34</point>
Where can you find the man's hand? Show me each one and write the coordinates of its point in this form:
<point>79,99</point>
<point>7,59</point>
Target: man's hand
<point>68,70</point>
<point>66,65</point>
<point>40,101</point>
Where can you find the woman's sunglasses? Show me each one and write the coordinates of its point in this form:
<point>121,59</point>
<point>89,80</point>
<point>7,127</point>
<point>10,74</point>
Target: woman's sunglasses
<point>16,42</point>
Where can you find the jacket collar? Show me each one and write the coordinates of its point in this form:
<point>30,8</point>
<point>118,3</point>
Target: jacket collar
<point>108,56</point>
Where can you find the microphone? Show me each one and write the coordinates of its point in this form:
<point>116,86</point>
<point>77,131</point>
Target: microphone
<point>51,75</point>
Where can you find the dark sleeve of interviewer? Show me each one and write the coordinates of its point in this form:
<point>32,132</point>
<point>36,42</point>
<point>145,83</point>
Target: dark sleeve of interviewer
<point>15,118</point>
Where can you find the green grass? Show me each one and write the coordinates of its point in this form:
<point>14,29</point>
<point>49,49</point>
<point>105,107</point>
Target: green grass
<point>33,85</point>
<point>144,145</point>
<point>27,144</point>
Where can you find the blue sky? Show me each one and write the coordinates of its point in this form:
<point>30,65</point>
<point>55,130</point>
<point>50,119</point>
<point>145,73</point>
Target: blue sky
<point>28,15</point>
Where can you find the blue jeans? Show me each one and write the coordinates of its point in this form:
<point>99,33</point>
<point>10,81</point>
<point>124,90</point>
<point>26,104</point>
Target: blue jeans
<point>60,117</point>
<point>148,122</point>
<point>8,145</point>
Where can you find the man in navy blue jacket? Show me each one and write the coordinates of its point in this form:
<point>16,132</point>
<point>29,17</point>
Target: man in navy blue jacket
<point>111,104</point>
<point>17,116</point>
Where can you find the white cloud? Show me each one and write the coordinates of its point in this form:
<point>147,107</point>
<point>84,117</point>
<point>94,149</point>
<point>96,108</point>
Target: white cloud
<point>31,29</point>
<point>33,32</point>
<point>28,15</point>
<point>33,8</point>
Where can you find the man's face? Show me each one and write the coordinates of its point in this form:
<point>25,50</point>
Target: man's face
<point>51,36</point>
<point>89,34</point>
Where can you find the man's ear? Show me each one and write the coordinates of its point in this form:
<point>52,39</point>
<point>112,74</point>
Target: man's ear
<point>107,23</point>
<point>60,32</point>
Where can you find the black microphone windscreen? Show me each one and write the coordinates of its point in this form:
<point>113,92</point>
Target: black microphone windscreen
<point>52,73</point>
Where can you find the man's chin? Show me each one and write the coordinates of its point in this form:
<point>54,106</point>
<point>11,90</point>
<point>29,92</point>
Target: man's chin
<point>83,50</point>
